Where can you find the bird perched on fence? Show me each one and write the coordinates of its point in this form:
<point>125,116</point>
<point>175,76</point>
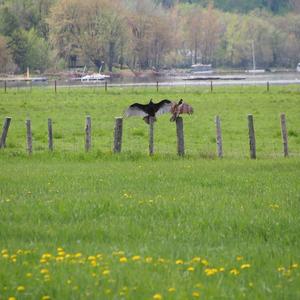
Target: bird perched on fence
<point>149,110</point>
<point>180,108</point>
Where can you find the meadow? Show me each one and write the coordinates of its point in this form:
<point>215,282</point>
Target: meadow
<point>76,225</point>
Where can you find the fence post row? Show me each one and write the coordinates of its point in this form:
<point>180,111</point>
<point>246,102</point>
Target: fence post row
<point>180,136</point>
<point>219,137</point>
<point>118,132</point>
<point>4,132</point>
<point>50,135</point>
<point>88,130</point>
<point>151,135</point>
<point>252,142</point>
<point>29,136</point>
<point>284,135</point>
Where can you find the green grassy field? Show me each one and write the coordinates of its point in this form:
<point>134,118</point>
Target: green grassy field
<point>76,225</point>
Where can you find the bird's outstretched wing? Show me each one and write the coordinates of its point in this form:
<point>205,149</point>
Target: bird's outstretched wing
<point>162,107</point>
<point>180,108</point>
<point>136,109</point>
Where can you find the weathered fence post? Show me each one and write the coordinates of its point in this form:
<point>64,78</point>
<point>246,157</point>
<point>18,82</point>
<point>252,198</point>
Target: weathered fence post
<point>4,132</point>
<point>29,136</point>
<point>219,137</point>
<point>50,135</point>
<point>284,135</point>
<point>180,136</point>
<point>5,85</point>
<point>157,86</point>
<point>211,86</point>
<point>55,86</point>
<point>88,129</point>
<point>105,85</point>
<point>252,142</point>
<point>268,86</point>
<point>118,134</point>
<point>151,135</point>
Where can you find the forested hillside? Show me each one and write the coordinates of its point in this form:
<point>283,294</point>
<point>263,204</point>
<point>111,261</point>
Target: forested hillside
<point>142,34</point>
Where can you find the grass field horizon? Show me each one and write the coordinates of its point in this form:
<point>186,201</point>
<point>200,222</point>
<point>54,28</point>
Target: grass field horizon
<point>76,225</point>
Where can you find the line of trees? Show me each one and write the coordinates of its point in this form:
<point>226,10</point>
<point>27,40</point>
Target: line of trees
<point>143,34</point>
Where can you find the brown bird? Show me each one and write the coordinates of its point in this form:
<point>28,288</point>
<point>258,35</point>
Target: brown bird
<point>149,110</point>
<point>180,108</point>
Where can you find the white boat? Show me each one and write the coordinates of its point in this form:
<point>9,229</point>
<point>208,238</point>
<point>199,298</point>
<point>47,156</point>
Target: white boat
<point>94,77</point>
<point>298,67</point>
<point>201,69</point>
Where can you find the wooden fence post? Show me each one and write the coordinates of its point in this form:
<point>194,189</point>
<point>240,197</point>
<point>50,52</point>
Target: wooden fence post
<point>211,86</point>
<point>157,86</point>
<point>4,132</point>
<point>219,137</point>
<point>151,135</point>
<point>284,135</point>
<point>50,135</point>
<point>88,129</point>
<point>105,85</point>
<point>55,86</point>
<point>268,86</point>
<point>118,134</point>
<point>180,136</point>
<point>252,142</point>
<point>5,85</point>
<point>29,136</point>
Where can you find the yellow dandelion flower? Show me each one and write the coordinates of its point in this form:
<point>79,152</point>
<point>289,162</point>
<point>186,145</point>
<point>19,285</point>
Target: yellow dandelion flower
<point>107,291</point>
<point>91,257</point>
<point>204,262</point>
<point>199,285</point>
<point>93,263</point>
<point>46,298</point>
<point>179,262</point>
<point>5,255</point>
<point>157,297</point>
<point>211,271</point>
<point>221,269</point>
<point>196,294</point>
<point>60,249</point>
<point>69,281</point>
<point>19,251</point>
<point>12,298</point>
<point>21,288</point>
<point>281,269</point>
<point>59,258</point>
<point>295,266</point>
<point>136,258</point>
<point>245,266</point>
<point>250,284</point>
<point>239,257</point>
<point>234,272</point>
<point>44,271</point>
<point>106,272</point>
<point>28,275</point>
<point>78,255</point>
<point>191,269</point>
<point>4,251</point>
<point>196,259</point>
<point>171,290</point>
<point>161,261</point>
<point>123,259</point>
<point>148,259</point>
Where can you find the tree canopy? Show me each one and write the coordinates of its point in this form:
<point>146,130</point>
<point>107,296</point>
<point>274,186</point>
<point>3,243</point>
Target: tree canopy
<point>143,34</point>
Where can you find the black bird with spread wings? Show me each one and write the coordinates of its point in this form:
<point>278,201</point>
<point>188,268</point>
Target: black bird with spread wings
<point>149,110</point>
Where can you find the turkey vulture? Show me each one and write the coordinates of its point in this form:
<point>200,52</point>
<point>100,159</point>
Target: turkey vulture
<point>180,108</point>
<point>149,110</point>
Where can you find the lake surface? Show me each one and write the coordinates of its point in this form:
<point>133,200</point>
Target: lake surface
<point>182,80</point>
